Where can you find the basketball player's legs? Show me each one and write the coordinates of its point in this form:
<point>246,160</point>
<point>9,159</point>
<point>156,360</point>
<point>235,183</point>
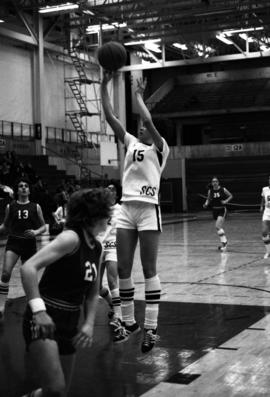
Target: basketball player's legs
<point>52,357</point>
<point>220,231</point>
<point>266,236</point>
<point>119,333</point>
<point>149,233</point>
<point>10,260</point>
<point>68,364</point>
<point>45,359</point>
<point>149,241</point>
<point>112,274</point>
<point>113,282</point>
<point>104,292</point>
<point>126,244</point>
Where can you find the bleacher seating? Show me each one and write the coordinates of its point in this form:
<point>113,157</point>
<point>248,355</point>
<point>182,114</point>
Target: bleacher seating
<point>216,95</point>
<point>48,173</point>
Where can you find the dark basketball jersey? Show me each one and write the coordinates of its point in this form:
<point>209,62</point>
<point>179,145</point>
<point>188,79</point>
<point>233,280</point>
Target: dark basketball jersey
<point>68,279</point>
<point>216,196</point>
<point>22,217</point>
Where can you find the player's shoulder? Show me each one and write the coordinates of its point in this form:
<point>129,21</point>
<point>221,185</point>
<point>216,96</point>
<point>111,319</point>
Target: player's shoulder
<point>129,138</point>
<point>68,236</point>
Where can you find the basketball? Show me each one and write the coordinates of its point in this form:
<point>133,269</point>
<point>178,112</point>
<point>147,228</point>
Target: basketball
<point>112,56</point>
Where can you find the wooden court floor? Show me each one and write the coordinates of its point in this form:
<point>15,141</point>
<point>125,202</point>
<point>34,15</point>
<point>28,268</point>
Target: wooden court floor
<point>214,322</point>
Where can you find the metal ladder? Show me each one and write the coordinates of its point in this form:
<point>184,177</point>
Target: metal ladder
<point>75,85</point>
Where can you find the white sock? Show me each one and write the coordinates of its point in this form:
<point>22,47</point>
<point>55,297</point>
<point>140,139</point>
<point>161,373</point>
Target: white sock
<point>266,240</point>
<point>222,236</point>
<point>152,299</point>
<point>116,303</point>
<point>127,290</point>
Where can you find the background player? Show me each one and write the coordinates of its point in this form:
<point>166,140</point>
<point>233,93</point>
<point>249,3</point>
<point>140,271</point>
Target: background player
<point>71,278</point>
<point>265,208</point>
<point>217,199</point>
<point>139,216</point>
<point>23,221</point>
<point>109,263</point>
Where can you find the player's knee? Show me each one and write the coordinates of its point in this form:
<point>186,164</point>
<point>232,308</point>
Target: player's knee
<point>5,277</point>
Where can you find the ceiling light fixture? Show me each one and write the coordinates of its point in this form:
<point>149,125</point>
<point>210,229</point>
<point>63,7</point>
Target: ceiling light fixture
<point>244,36</point>
<point>180,46</point>
<point>91,29</point>
<point>58,8</point>
<point>229,32</point>
<point>142,42</point>
<point>152,47</point>
<point>263,47</point>
<point>88,12</point>
<point>202,50</point>
<point>222,38</point>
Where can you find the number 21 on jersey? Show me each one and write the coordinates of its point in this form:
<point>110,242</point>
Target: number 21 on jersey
<point>90,272</point>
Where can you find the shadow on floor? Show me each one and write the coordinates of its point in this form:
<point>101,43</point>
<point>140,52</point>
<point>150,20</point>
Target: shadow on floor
<point>187,330</point>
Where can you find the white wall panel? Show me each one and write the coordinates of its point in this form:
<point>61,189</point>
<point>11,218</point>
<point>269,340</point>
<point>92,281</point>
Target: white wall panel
<point>16,84</point>
<point>54,95</point>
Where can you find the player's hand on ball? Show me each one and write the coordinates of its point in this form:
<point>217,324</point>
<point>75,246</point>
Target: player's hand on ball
<point>107,76</point>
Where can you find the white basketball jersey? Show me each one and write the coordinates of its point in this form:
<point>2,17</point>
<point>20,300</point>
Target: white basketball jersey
<point>142,170</point>
<point>266,196</point>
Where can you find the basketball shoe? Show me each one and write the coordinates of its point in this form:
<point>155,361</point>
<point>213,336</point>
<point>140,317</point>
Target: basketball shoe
<point>223,247</point>
<point>132,329</point>
<point>150,338</point>
<point>118,330</point>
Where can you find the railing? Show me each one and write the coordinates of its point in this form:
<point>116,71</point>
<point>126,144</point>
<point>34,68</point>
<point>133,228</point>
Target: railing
<point>72,161</point>
<point>17,130</point>
<point>71,136</point>
<point>26,131</point>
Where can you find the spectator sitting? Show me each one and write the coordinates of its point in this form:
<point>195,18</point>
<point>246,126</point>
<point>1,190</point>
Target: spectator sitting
<point>6,191</point>
<point>48,206</point>
<point>6,196</point>
<point>5,174</point>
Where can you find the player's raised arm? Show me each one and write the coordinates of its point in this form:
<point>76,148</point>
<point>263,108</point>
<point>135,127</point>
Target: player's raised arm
<point>113,121</point>
<point>146,115</point>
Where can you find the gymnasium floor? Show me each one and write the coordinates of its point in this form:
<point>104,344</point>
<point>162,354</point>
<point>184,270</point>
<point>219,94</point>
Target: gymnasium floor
<point>214,322</point>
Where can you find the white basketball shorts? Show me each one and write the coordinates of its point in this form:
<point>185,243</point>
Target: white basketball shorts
<point>266,216</point>
<point>140,216</point>
<point>110,255</point>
